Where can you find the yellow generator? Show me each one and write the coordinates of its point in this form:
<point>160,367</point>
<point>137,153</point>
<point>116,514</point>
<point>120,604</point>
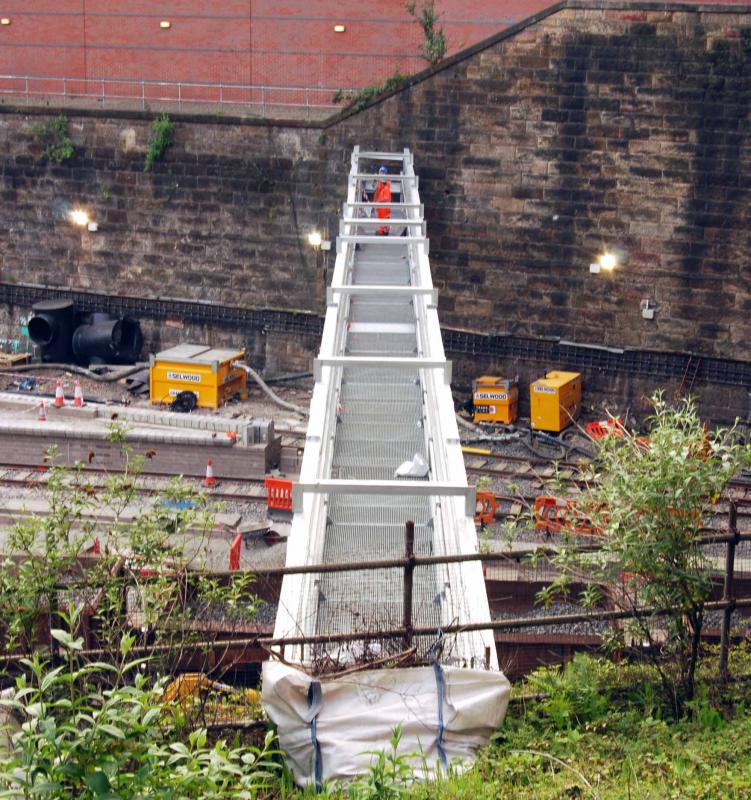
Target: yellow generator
<point>205,371</point>
<point>495,399</point>
<point>555,400</point>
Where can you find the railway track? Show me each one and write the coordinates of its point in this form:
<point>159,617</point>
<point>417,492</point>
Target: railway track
<point>146,484</point>
<point>512,468</point>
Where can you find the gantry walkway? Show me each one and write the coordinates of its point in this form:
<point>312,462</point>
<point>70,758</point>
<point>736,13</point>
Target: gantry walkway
<point>382,397</point>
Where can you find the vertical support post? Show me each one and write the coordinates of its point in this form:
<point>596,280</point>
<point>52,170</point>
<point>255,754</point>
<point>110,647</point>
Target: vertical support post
<point>179,95</point>
<point>143,95</point>
<point>487,658</point>
<point>409,569</point>
<point>727,589</point>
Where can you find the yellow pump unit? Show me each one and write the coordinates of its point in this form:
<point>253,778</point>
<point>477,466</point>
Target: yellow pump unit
<point>495,399</point>
<point>205,371</point>
<point>555,400</point>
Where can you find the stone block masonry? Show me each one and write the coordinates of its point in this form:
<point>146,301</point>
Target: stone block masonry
<point>587,128</point>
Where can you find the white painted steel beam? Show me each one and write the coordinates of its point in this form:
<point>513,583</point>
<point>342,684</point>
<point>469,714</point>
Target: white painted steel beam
<point>381,362</point>
<point>412,180</point>
<point>406,206</point>
<point>395,487</point>
<point>399,221</point>
<point>387,240</point>
<point>383,156</point>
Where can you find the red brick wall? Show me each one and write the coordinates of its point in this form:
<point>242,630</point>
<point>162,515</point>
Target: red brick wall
<point>268,42</point>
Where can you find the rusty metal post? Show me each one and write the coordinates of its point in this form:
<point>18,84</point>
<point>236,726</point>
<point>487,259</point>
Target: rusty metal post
<point>409,569</point>
<point>727,589</point>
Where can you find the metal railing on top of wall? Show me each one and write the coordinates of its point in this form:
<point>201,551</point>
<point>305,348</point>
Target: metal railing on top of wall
<point>255,99</point>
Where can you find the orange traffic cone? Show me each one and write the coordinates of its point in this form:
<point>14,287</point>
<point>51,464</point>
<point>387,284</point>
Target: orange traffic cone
<point>209,480</point>
<point>78,396</point>
<point>42,412</point>
<point>59,396</point>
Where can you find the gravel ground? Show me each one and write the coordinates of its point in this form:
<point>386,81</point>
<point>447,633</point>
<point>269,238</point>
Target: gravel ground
<point>576,629</point>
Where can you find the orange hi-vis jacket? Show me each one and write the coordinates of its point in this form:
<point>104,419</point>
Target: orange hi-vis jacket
<point>383,195</point>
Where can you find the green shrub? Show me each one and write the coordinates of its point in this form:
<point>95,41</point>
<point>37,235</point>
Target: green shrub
<point>162,132</point>
<point>81,740</point>
<point>59,147</point>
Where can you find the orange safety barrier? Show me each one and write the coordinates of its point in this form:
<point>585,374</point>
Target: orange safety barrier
<point>234,552</point>
<point>554,515</point>
<point>599,430</point>
<point>279,494</point>
<point>487,505</point>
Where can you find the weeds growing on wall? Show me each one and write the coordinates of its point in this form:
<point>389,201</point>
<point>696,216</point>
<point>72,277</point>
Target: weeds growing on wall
<point>433,47</point>
<point>162,132</point>
<point>364,96</point>
<point>58,146</point>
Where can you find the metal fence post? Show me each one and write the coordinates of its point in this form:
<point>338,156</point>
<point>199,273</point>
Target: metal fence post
<point>727,589</point>
<point>409,570</point>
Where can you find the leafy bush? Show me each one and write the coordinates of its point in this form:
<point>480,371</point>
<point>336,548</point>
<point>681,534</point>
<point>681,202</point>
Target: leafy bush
<point>78,739</point>
<point>162,132</point>
<point>648,500</point>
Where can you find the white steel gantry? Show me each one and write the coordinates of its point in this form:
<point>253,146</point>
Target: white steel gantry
<point>382,398</point>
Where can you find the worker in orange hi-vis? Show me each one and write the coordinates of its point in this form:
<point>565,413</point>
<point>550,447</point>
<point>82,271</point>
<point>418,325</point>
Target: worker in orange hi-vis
<point>383,195</point>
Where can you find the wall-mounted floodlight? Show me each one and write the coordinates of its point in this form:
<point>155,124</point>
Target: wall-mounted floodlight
<point>5,21</point>
<point>315,239</point>
<point>607,261</point>
<point>339,29</point>
<point>165,23</point>
<point>79,217</point>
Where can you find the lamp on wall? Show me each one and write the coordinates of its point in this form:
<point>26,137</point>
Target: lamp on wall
<point>165,23</point>
<point>608,260</point>
<point>79,217</point>
<point>5,21</point>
